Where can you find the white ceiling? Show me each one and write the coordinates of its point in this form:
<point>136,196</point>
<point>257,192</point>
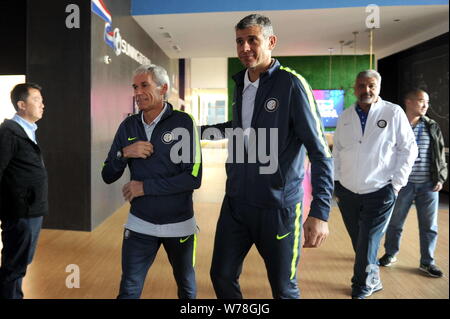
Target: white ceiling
<point>300,32</point>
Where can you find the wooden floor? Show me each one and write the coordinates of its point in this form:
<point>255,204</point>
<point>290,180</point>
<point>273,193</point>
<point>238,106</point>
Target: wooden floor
<point>323,272</point>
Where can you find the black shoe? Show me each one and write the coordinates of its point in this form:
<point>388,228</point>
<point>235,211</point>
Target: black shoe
<point>431,270</point>
<point>364,295</point>
<point>387,260</point>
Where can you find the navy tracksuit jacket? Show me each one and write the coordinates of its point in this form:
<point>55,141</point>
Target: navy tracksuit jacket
<point>284,100</point>
<point>168,186</point>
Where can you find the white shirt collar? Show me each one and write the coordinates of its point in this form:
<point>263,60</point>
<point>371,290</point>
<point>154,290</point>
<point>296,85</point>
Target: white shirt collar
<point>29,128</point>
<point>21,120</point>
<point>157,119</point>
<point>247,81</point>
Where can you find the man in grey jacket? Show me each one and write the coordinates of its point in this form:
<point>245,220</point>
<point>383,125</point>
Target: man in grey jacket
<point>427,177</point>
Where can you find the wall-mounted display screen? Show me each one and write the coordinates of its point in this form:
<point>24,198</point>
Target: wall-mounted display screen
<point>330,104</point>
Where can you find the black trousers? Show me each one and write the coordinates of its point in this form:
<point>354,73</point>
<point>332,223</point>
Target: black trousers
<point>19,237</point>
<point>277,236</point>
<point>139,252</point>
<point>366,217</point>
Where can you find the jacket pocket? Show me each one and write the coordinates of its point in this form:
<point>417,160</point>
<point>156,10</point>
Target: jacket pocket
<point>26,201</point>
<point>16,203</point>
<point>277,180</point>
<point>36,199</point>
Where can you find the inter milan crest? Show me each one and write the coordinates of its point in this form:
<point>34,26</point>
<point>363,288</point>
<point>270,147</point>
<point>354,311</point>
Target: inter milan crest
<point>271,105</point>
<point>167,138</point>
<point>381,123</point>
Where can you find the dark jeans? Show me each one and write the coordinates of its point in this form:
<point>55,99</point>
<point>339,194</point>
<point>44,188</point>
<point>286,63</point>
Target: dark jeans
<point>366,217</point>
<point>139,252</point>
<point>277,236</point>
<point>19,237</point>
<point>427,203</point>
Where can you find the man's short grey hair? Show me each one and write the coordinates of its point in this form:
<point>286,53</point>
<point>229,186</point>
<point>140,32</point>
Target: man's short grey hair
<point>256,20</point>
<point>158,73</point>
<point>370,74</point>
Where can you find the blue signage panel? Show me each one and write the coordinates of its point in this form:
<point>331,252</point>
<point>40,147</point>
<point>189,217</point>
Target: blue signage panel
<point>145,7</point>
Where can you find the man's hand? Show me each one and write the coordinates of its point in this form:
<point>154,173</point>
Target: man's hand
<point>438,187</point>
<point>316,230</point>
<point>133,189</point>
<point>139,149</point>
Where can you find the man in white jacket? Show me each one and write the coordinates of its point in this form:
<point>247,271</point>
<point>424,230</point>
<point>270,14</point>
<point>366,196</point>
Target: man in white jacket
<point>374,151</point>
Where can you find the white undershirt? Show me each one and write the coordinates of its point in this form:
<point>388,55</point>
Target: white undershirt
<point>248,104</point>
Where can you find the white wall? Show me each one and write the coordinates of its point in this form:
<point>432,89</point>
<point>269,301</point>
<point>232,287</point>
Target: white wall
<point>413,40</point>
<point>209,73</point>
<point>7,82</point>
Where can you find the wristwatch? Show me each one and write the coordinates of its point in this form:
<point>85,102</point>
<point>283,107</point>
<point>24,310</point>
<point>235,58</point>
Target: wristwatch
<point>119,154</point>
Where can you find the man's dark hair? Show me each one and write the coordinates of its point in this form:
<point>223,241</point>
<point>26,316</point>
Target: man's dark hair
<point>20,92</point>
<point>258,20</point>
<point>412,94</point>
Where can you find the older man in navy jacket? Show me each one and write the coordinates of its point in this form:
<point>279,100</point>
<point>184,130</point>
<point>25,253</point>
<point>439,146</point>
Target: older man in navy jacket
<point>161,186</point>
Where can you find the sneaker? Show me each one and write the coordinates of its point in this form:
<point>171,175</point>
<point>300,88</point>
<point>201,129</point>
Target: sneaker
<point>387,260</point>
<point>364,295</point>
<point>431,270</point>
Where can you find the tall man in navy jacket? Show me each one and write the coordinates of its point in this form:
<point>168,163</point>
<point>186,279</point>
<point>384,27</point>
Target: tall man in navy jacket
<point>273,108</point>
<point>162,150</point>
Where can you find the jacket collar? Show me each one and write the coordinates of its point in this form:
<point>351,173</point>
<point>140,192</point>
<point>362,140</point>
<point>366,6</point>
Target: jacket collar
<point>247,81</point>
<point>426,119</point>
<point>374,106</point>
<point>168,112</point>
<point>15,127</point>
<point>239,77</point>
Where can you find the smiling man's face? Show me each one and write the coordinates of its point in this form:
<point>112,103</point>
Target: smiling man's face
<point>253,49</point>
<point>367,91</point>
<point>147,93</point>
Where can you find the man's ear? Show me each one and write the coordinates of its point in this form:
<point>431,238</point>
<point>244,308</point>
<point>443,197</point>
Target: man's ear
<point>164,89</point>
<point>20,106</point>
<point>272,41</point>
<point>407,102</point>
